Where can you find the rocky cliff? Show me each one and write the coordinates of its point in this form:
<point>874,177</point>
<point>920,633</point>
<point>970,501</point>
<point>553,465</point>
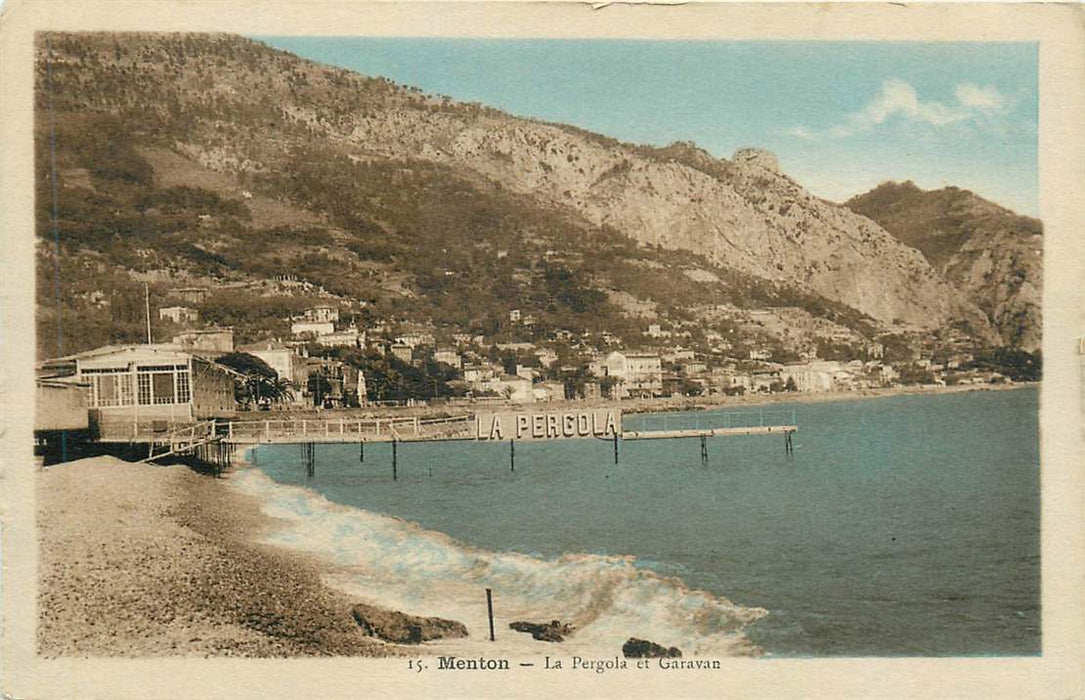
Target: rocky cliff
<point>263,116</point>
<point>991,254</point>
<point>743,214</point>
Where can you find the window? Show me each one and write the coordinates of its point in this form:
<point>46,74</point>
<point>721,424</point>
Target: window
<point>162,387</point>
<point>164,384</point>
<point>144,389</point>
<point>124,389</point>
<point>184,393</point>
<point>157,384</point>
<point>109,387</point>
<point>108,390</point>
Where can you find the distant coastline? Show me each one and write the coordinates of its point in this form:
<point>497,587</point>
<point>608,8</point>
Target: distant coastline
<point>653,405</point>
<point>698,403</point>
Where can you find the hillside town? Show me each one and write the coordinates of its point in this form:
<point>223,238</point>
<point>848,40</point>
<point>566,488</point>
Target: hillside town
<point>332,359</point>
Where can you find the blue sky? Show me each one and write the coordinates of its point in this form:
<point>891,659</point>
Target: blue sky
<point>841,117</point>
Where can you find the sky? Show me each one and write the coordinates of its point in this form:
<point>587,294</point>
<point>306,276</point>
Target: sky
<point>841,117</point>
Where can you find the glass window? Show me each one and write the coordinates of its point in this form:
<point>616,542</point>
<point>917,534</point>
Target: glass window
<point>144,389</point>
<point>107,390</point>
<point>109,387</point>
<point>162,386</point>
<point>124,389</point>
<point>184,393</point>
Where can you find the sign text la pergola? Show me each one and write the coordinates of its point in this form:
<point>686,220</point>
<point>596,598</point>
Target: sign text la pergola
<point>549,425</point>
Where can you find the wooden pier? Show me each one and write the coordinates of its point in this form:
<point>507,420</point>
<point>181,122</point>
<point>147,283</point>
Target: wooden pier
<point>786,429</point>
<point>706,432</point>
<point>218,438</point>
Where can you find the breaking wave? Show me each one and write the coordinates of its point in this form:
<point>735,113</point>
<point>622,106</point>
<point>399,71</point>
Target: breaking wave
<point>399,565</point>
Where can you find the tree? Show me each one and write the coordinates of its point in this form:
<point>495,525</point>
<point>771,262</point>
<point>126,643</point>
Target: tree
<point>607,384</point>
<point>914,374</point>
<point>689,387</point>
<point>247,364</point>
<point>319,386</point>
<point>1016,364</point>
<point>277,390</point>
<point>574,381</point>
<point>256,380</point>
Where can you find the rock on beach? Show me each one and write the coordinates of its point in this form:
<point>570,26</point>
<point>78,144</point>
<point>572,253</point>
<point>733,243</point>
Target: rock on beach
<point>553,631</point>
<point>393,626</point>
<point>643,649</point>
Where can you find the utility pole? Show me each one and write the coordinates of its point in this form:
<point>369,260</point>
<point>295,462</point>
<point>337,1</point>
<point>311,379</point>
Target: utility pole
<point>147,308</point>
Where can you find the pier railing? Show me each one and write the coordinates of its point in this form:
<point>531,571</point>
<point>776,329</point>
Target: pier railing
<point>711,420</point>
<point>194,433</point>
<point>111,429</point>
<point>347,429</point>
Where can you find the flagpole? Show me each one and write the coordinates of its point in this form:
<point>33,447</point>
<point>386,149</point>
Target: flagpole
<point>147,306</point>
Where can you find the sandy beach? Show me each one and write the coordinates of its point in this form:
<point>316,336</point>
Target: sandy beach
<point>140,560</point>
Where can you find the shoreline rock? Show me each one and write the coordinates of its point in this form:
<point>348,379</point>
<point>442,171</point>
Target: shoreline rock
<point>643,649</point>
<point>401,628</point>
<point>553,631</point>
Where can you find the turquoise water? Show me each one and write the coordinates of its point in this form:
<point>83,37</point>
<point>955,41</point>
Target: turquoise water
<point>900,526</point>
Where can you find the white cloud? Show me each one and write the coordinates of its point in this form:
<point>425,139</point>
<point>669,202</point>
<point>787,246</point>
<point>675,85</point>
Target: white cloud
<point>985,99</point>
<point>898,99</point>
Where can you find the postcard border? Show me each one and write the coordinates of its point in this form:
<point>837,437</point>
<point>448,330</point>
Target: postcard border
<point>1057,29</point>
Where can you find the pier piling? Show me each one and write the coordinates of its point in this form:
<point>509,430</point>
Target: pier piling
<point>704,449</point>
<point>308,451</point>
<point>490,611</point>
<point>512,455</point>
<point>394,458</point>
<point>615,448</point>
<point>361,451</point>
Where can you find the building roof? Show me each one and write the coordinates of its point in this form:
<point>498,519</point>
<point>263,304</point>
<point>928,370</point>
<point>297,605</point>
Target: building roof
<point>265,345</point>
<point>638,355</point>
<point>206,331</point>
<point>60,382</point>
<point>135,349</point>
<point>511,379</point>
<point>104,350</point>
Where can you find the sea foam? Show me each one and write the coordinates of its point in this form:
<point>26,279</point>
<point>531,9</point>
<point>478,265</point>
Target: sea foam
<point>397,564</point>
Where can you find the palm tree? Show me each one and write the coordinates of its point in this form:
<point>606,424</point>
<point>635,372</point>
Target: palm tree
<point>279,390</point>
<point>256,380</point>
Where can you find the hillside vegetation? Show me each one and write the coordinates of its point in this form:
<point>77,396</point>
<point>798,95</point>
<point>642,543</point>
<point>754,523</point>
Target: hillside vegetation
<point>214,160</point>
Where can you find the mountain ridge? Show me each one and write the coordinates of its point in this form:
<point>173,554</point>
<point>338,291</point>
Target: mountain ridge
<point>383,167</point>
<point>989,252</point>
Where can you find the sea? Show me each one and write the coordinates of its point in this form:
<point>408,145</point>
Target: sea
<point>900,526</point>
